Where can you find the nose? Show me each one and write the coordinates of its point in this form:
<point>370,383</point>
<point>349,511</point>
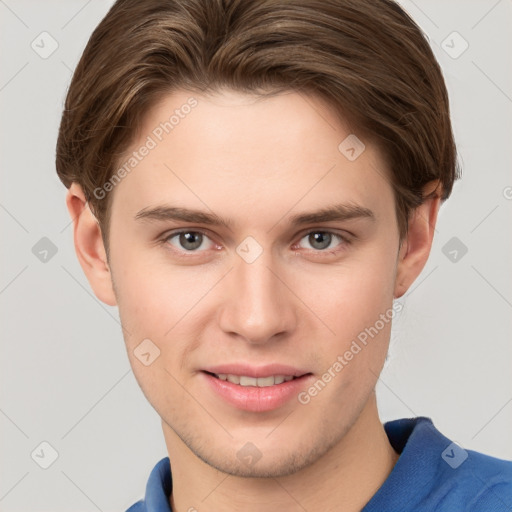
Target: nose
<point>257,306</point>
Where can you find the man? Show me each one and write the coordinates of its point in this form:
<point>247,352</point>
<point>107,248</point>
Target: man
<point>253,183</point>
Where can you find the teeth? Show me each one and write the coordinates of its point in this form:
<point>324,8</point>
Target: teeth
<point>261,382</point>
<point>234,379</point>
<point>250,381</point>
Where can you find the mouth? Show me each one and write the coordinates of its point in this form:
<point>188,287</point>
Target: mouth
<point>264,389</point>
<point>260,382</point>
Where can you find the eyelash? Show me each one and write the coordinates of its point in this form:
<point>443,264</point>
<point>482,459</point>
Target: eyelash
<point>344,241</point>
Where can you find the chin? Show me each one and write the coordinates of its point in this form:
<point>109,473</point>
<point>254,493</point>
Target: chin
<point>269,462</point>
<point>274,467</point>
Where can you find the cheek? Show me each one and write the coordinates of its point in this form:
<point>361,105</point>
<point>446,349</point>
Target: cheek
<point>357,306</point>
<point>152,295</point>
<point>356,303</point>
<point>162,303</point>
<point>153,311</point>
<point>354,295</point>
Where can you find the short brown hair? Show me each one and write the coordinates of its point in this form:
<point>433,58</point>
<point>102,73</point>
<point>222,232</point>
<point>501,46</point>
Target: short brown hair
<point>366,58</point>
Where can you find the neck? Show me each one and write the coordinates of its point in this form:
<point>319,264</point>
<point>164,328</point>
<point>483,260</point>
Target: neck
<point>345,478</point>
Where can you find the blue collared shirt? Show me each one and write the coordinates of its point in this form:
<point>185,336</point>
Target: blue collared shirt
<point>431,474</point>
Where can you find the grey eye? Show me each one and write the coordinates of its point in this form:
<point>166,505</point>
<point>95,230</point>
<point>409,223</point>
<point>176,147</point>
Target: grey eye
<point>190,240</point>
<point>320,239</point>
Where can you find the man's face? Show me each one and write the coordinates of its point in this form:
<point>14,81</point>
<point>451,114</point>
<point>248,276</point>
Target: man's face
<point>264,295</point>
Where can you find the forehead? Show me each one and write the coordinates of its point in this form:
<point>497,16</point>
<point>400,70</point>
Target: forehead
<point>242,153</point>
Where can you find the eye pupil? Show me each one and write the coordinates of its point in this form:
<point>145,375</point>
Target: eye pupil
<point>320,239</point>
<point>191,240</point>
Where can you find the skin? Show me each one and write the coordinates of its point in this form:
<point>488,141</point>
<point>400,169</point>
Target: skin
<point>257,162</point>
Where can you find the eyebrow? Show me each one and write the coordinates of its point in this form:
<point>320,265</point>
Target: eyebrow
<point>338,212</point>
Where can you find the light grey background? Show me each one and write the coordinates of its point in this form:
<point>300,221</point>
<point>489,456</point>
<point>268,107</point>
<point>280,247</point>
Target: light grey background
<point>65,376</point>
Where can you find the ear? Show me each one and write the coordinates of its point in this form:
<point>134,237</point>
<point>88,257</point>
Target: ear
<point>89,246</point>
<point>416,246</point>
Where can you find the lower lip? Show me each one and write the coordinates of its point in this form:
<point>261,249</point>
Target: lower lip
<point>256,399</point>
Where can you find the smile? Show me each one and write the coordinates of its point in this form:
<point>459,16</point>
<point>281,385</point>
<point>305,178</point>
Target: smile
<point>261,382</point>
<point>257,393</point>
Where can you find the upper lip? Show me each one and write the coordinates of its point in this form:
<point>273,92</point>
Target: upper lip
<point>256,371</point>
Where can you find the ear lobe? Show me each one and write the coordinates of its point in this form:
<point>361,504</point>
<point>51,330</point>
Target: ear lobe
<point>416,246</point>
<point>89,246</point>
